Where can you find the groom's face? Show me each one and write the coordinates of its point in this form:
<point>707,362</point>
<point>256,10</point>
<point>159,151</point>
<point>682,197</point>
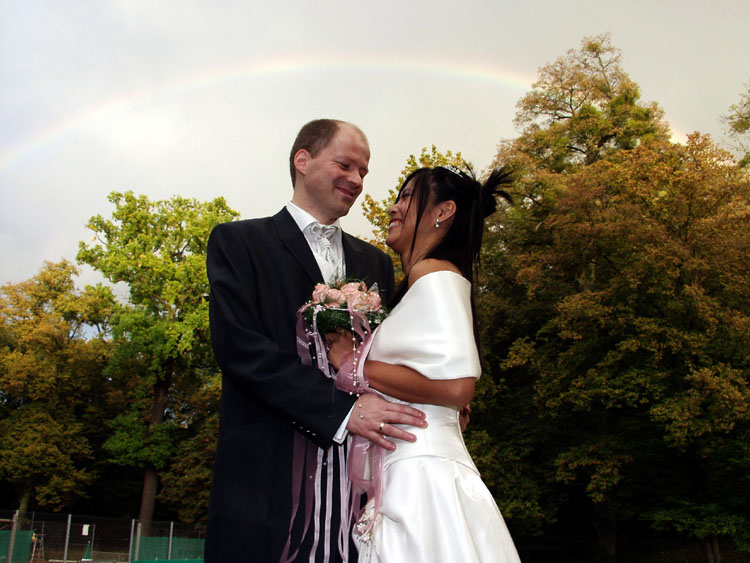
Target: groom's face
<point>332,180</point>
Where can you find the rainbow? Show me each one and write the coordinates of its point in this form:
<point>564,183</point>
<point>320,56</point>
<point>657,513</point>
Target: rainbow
<point>62,130</point>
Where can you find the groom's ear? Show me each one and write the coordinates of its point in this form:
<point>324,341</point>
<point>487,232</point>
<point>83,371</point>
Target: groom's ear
<point>301,161</point>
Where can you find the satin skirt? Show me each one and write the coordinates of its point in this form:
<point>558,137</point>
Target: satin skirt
<point>435,507</point>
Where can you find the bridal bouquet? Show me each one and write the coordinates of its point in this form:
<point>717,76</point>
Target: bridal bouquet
<point>349,306</point>
<point>331,307</point>
<point>354,308</point>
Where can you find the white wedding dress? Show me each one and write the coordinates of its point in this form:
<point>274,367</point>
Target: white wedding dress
<point>435,507</point>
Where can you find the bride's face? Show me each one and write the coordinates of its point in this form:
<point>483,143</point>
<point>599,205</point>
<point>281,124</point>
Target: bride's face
<point>403,216</point>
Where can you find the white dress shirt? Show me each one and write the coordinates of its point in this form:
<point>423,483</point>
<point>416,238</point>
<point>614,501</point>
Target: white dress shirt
<point>332,271</point>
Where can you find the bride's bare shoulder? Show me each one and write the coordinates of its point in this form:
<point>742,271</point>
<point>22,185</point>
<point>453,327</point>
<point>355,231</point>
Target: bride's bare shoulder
<point>428,266</point>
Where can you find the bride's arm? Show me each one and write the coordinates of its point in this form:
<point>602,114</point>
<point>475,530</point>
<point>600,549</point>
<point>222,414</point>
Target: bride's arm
<point>400,381</point>
<point>408,385</point>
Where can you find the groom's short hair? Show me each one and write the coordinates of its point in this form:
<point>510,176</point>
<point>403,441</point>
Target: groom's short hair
<point>314,137</point>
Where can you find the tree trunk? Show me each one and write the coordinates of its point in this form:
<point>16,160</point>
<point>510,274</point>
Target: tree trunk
<point>23,503</point>
<point>711,549</point>
<point>708,551</point>
<point>604,524</point>
<point>148,499</point>
<point>715,548</point>
<point>150,476</point>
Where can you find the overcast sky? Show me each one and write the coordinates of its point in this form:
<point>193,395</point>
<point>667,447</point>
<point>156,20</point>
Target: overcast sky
<point>203,98</point>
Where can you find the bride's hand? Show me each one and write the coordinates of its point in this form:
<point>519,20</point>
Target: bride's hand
<point>464,416</point>
<point>339,344</point>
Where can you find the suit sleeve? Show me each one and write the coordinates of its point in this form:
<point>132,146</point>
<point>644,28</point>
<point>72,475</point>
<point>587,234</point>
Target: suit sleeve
<point>248,355</point>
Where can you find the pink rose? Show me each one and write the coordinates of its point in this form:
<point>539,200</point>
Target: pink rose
<point>319,293</point>
<point>352,287</point>
<point>334,298</point>
<point>373,300</point>
<point>358,301</point>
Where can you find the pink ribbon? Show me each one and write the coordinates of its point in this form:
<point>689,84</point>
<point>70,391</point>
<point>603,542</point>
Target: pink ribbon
<point>364,464</point>
<point>365,459</point>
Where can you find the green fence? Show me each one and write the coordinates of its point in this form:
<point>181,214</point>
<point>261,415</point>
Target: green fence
<point>72,537</point>
<point>157,549</point>
<point>21,546</point>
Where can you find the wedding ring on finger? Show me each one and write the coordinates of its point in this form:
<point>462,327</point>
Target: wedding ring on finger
<point>382,424</point>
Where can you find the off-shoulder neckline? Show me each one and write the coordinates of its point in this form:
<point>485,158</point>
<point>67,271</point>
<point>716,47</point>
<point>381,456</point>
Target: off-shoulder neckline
<point>427,275</point>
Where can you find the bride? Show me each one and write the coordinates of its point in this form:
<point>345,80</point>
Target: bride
<point>434,506</point>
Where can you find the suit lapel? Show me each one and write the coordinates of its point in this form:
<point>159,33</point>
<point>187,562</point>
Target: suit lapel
<point>353,257</point>
<point>294,241</point>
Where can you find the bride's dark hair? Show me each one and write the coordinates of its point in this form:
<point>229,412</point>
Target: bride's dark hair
<point>474,201</point>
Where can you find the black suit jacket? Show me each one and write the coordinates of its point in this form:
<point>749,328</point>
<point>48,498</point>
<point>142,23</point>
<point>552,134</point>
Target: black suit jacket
<point>261,271</point>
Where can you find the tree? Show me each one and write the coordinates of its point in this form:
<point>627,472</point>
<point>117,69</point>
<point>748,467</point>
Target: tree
<point>187,482</point>
<point>583,106</point>
<point>44,457</point>
<point>738,125</point>
<point>617,314</point>
<point>53,348</point>
<point>600,308</point>
<point>162,338</point>
<point>582,109</point>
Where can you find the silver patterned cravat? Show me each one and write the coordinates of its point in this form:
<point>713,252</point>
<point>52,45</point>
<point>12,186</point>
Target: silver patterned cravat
<point>324,235</point>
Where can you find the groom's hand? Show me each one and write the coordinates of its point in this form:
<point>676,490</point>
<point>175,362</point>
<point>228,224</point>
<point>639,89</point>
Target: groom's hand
<point>373,418</point>
<point>339,345</point>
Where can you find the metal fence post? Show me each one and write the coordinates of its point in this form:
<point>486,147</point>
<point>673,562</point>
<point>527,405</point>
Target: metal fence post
<point>138,529</point>
<point>130,547</point>
<point>13,528</point>
<point>171,533</point>
<point>67,539</point>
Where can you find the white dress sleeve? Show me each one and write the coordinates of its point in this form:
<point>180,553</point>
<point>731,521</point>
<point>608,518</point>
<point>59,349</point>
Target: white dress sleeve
<point>431,329</point>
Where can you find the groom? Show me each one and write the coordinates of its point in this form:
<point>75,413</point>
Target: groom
<point>261,271</point>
